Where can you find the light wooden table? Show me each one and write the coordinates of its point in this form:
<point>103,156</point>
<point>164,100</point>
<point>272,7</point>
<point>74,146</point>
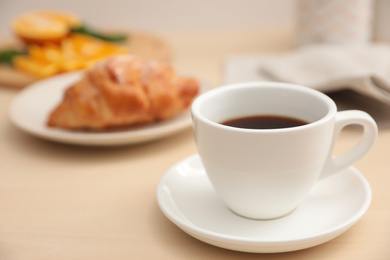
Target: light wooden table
<point>69,202</point>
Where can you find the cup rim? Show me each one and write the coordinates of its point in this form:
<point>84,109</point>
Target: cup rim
<point>196,104</point>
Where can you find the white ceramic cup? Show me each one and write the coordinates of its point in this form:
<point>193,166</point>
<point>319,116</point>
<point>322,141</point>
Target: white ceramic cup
<point>266,173</point>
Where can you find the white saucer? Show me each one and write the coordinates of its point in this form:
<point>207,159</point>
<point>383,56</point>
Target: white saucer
<point>31,107</point>
<point>186,197</point>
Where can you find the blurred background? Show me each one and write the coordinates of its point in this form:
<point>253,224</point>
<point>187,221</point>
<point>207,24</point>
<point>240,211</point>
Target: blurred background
<point>164,14</point>
<point>176,15</point>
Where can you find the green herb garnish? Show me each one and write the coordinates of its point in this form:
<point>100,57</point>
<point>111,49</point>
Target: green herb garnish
<point>7,55</point>
<point>102,36</point>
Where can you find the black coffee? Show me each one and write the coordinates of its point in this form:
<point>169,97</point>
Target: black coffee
<point>264,122</point>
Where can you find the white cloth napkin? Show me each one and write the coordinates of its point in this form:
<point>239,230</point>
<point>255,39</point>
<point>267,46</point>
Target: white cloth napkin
<point>327,68</point>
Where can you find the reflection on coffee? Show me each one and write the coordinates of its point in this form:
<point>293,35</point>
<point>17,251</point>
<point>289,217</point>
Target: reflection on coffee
<point>264,122</point>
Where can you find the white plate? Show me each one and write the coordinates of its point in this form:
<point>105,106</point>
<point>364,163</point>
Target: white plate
<point>186,197</point>
<point>30,110</point>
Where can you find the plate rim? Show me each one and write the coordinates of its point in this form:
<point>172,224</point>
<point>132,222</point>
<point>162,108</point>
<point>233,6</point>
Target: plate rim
<point>141,134</point>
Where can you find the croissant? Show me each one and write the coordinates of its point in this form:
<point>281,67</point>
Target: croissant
<point>123,90</point>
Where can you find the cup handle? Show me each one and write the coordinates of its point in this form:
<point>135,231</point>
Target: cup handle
<point>370,132</point>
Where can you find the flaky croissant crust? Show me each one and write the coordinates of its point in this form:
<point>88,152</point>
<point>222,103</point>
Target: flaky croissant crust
<point>123,90</point>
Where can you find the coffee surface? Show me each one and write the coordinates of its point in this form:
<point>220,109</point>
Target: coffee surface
<point>264,122</point>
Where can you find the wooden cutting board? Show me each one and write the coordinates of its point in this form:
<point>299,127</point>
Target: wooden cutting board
<point>146,45</point>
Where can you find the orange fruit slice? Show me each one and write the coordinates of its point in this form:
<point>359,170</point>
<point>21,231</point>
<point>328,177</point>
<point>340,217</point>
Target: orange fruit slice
<point>44,26</point>
<point>75,52</point>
